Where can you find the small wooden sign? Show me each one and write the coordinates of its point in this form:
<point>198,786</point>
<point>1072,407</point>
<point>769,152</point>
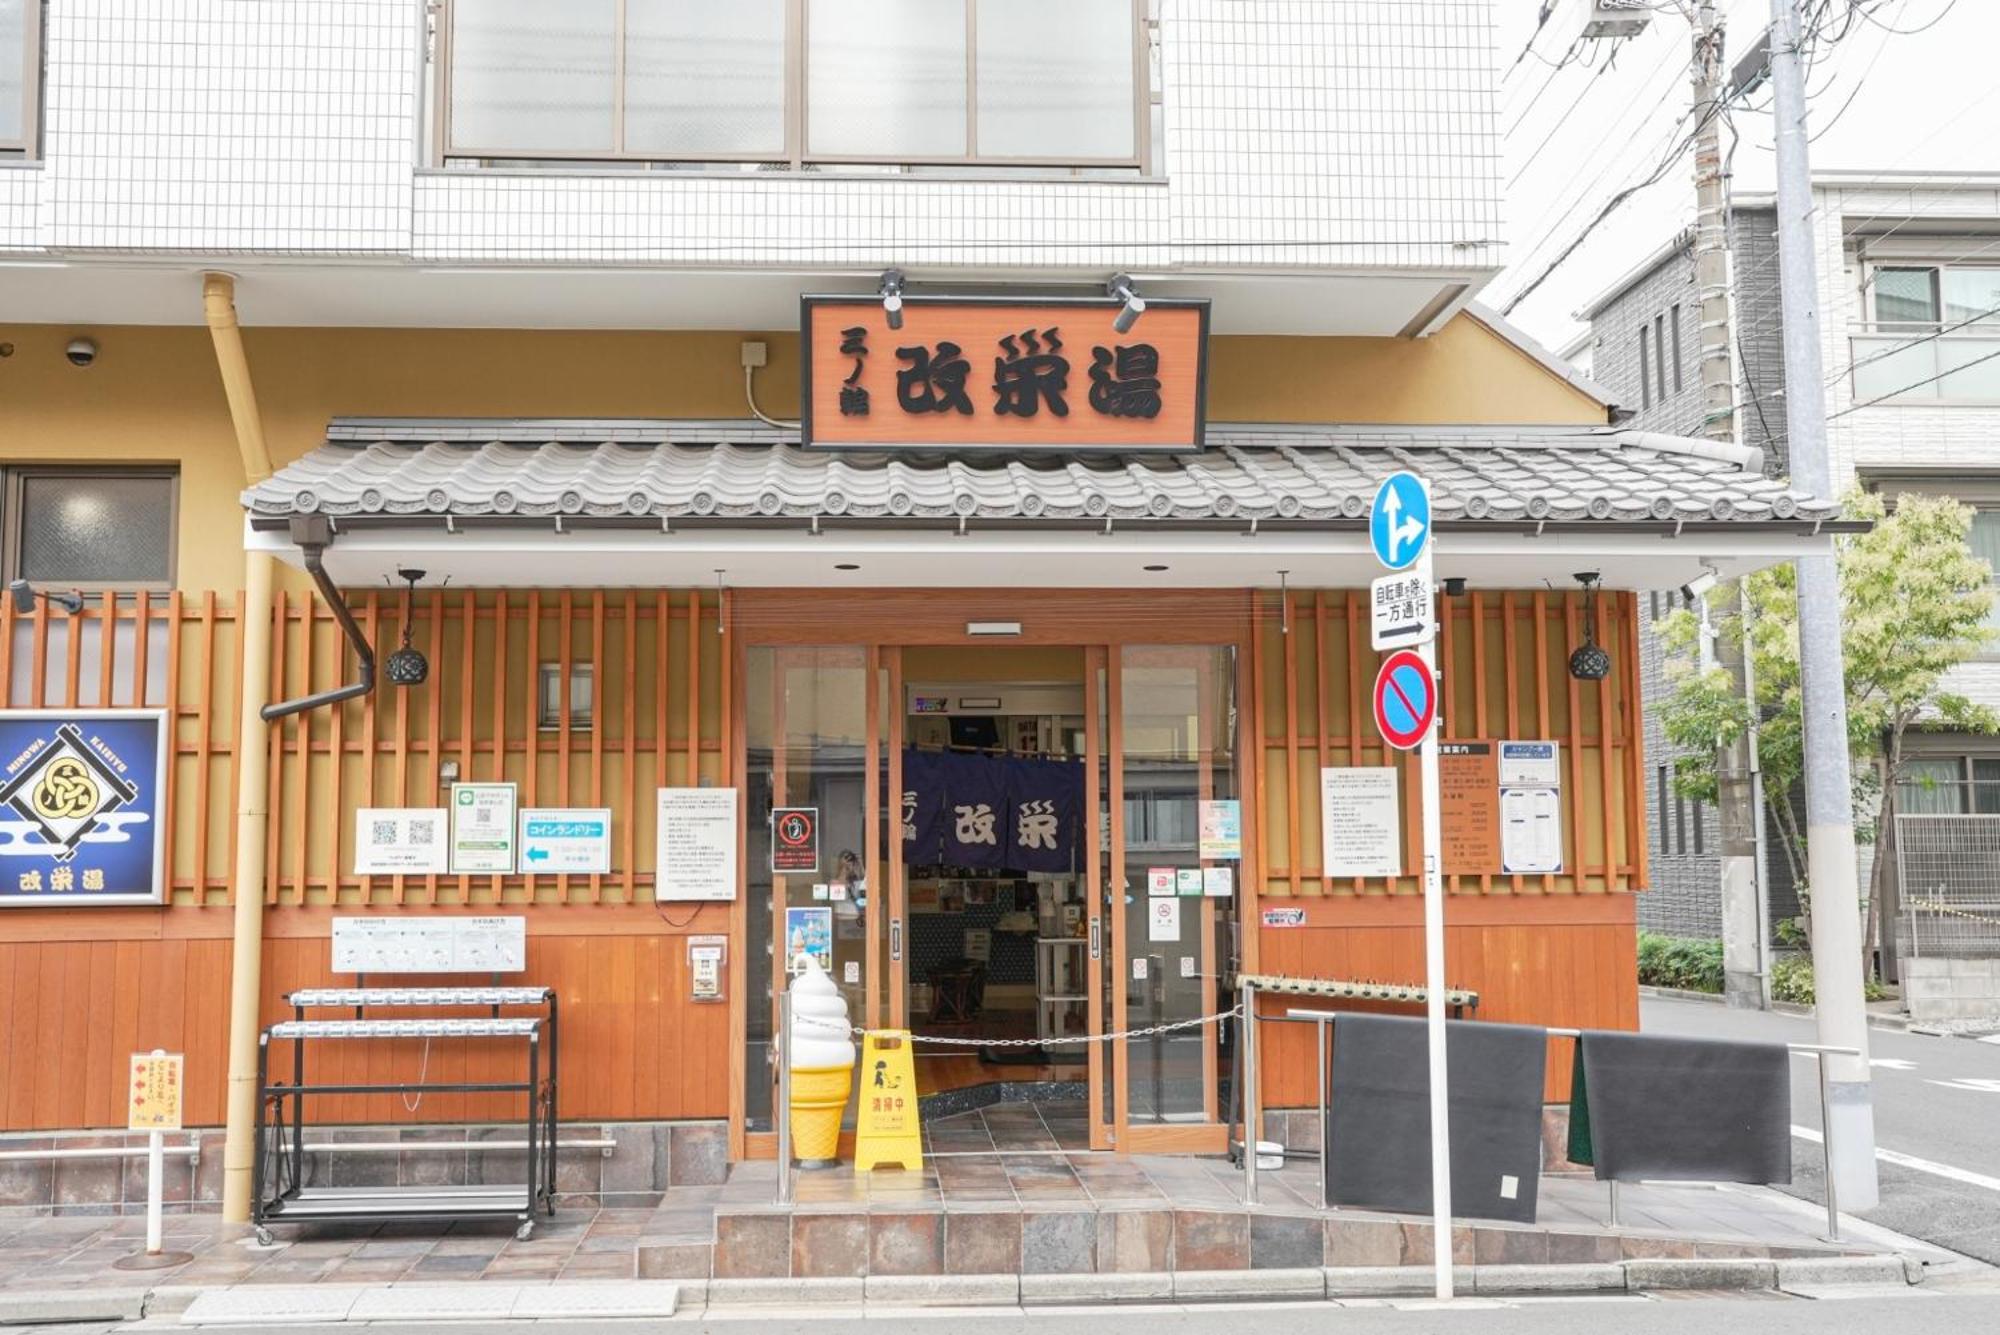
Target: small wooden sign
<point>1030,374</point>
<point>1469,789</point>
<point>155,1092</point>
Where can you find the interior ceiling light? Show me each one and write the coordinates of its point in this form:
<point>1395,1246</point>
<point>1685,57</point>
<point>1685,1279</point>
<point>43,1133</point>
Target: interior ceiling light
<point>407,665</point>
<point>892,297</point>
<point>1156,569</point>
<point>1589,662</point>
<point>1120,289</point>
<point>846,565</point>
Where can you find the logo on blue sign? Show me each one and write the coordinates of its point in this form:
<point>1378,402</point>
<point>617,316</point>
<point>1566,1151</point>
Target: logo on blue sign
<point>80,805</point>
<point>1400,524</point>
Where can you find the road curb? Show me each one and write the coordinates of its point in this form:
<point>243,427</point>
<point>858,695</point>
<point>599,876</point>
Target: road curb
<point>1580,1277</point>
<point>1275,1283</point>
<point>1131,1286</point>
<point>35,1307</point>
<point>1823,1271</point>
<point>1700,1273</point>
<point>943,1290</point>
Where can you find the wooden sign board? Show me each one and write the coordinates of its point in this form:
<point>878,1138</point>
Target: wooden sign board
<point>1031,374</point>
<point>1469,786</point>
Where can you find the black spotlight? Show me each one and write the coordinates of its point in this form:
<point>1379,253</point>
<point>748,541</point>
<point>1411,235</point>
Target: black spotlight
<point>407,666</point>
<point>1590,662</point>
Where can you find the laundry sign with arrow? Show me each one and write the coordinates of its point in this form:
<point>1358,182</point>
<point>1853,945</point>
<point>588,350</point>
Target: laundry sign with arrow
<point>566,841</point>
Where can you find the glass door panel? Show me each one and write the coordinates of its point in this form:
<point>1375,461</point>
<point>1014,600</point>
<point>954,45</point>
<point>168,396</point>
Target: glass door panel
<point>808,744</point>
<point>1176,746</point>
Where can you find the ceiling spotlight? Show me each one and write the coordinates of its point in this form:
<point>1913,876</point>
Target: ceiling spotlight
<point>846,565</point>
<point>1700,584</point>
<point>892,297</point>
<point>406,666</point>
<point>1155,569</point>
<point>1589,662</point>
<point>1120,289</point>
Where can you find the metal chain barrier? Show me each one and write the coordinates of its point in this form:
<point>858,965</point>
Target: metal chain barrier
<point>1939,906</point>
<point>803,1022</point>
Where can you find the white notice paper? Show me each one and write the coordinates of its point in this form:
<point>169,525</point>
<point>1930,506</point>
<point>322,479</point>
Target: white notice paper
<point>399,839</point>
<point>1218,882</point>
<point>1531,764</point>
<point>1531,830</point>
<point>695,829</point>
<point>1163,920</point>
<point>1360,821</point>
<point>482,827</point>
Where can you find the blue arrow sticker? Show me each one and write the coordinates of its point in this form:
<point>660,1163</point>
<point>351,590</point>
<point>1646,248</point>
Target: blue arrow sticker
<point>1399,526</point>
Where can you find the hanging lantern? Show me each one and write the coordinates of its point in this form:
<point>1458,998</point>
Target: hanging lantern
<point>1590,662</point>
<point>406,666</point>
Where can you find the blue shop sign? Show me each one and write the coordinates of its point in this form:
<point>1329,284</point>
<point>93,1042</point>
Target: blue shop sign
<point>82,796</point>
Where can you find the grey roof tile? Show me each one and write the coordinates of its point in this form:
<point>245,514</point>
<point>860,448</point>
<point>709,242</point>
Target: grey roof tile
<point>751,471</point>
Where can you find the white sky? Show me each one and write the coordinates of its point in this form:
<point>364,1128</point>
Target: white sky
<point>1922,101</point>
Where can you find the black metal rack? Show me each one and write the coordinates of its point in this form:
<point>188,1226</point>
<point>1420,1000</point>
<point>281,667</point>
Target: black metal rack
<point>280,1193</point>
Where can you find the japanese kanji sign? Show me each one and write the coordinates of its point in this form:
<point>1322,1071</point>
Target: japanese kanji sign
<point>1001,374</point>
<point>154,1098</point>
<point>1400,607</point>
<point>80,804</point>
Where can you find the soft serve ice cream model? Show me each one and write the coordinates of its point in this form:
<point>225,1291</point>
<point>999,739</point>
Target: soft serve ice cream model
<point>822,1065</point>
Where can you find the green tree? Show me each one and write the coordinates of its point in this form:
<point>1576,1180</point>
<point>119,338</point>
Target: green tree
<point>1914,603</point>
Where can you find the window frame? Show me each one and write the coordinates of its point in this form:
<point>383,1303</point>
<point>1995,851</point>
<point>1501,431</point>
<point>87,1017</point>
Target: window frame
<point>1674,324</point>
<point>14,475</point>
<point>794,155</point>
<point>28,147</point>
<point>550,672</point>
<point>1645,367</point>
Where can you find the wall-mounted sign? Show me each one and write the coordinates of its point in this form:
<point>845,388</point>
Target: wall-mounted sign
<point>1284,917</point>
<point>400,841</point>
<point>1221,832</point>
<point>566,840</point>
<point>1034,373</point>
<point>482,828</point>
<point>80,804</point>
<point>431,943</point>
<point>808,936</point>
<point>695,835</point>
<point>1533,764</point>
<point>706,955</point>
<point>1469,790</point>
<point>795,839</point>
<point>1360,816</point>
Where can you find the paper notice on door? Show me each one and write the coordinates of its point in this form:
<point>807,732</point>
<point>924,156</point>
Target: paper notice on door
<point>1218,882</point>
<point>1163,920</point>
<point>1360,821</point>
<point>1159,880</point>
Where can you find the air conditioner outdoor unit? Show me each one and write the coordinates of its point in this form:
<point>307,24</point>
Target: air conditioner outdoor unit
<point>1616,18</point>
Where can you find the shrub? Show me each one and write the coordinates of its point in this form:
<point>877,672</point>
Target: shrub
<point>1792,980</point>
<point>1667,961</point>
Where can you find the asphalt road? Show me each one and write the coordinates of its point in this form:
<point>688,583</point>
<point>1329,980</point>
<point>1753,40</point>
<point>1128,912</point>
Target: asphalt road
<point>1937,1100</point>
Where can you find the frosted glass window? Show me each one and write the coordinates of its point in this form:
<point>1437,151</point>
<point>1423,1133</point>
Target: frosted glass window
<point>1055,79</point>
<point>703,78</point>
<point>531,76</point>
<point>88,529</point>
<point>13,69</point>
<point>1972,295</point>
<point>885,78</point>
<point>1931,788</point>
<point>1906,296</point>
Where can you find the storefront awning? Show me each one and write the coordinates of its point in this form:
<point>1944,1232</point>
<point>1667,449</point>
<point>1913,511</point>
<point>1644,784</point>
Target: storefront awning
<point>670,487</point>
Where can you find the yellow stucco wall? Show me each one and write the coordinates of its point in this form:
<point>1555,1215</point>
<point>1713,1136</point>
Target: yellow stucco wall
<point>154,394</point>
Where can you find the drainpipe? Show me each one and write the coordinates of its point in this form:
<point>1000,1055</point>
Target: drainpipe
<point>246,956</point>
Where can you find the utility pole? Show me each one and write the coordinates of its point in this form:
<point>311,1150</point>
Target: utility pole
<point>1743,924</point>
<point>1830,862</point>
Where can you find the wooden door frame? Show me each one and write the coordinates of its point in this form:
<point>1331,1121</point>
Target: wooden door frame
<point>882,622</point>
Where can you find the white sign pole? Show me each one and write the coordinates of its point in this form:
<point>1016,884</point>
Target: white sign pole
<point>156,1175</point>
<point>1434,984</point>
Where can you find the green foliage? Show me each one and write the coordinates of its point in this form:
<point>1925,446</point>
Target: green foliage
<point>1914,601</point>
<point>1792,980</point>
<point>1669,961</point>
<point>1790,933</point>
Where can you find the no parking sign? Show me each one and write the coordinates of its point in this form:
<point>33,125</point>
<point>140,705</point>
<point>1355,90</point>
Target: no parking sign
<point>1405,700</point>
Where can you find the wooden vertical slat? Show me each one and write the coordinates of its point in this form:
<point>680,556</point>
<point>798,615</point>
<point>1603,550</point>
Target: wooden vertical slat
<point>1319,712</point>
<point>1573,738</point>
<point>1635,819</point>
<point>503,635</point>
<point>1258,837</point>
<point>107,648</point>
<point>305,731</point>
<point>694,689</point>
<point>434,708</point>
<point>38,669</point>
<point>873,956</point>
<point>598,714</point>
<point>1508,651</point>
<point>530,776</point>
<point>7,673</point>
<point>1094,851</point>
<point>468,657</point>
<point>171,814</point>
<point>627,716</point>
<point>1608,749</point>
<point>370,629</point>
<point>236,746</point>
<point>1481,719</point>
<point>899,894</point>
<point>275,749</point>
<point>1121,1076</point>
<point>202,743</point>
<point>73,659</point>
<point>399,784</point>
<point>725,678</point>
<point>1292,830</point>
<point>142,648</point>
<point>1542,728</point>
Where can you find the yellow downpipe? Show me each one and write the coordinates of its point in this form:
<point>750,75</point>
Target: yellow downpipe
<point>246,956</point>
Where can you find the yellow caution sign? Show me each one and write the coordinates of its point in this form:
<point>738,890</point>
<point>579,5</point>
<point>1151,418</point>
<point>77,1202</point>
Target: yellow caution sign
<point>155,1095</point>
<point>888,1131</point>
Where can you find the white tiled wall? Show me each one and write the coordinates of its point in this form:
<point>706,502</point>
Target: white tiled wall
<point>1343,133</point>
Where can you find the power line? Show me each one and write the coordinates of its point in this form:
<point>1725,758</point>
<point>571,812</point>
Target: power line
<point>1918,384</point>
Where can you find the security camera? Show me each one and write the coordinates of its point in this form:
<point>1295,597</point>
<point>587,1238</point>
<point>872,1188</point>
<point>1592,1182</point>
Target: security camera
<point>81,351</point>
<point>1699,585</point>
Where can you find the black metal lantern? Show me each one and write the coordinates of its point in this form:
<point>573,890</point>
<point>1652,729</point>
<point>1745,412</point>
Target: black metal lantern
<point>407,666</point>
<point>1590,662</point>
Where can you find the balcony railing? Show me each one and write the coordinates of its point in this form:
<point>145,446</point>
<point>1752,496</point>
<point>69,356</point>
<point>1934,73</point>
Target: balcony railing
<point>1915,363</point>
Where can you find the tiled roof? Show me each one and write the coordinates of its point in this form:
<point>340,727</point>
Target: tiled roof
<point>719,472</point>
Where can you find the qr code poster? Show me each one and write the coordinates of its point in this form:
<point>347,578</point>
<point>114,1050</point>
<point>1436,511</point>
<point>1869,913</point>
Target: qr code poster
<point>400,840</point>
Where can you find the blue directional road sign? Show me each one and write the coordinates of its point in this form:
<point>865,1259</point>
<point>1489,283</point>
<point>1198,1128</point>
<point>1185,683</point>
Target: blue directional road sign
<point>1399,527</point>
